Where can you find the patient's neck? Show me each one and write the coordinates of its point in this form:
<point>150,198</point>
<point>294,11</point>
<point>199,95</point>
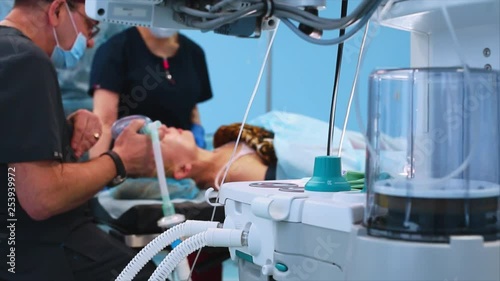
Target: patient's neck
<point>202,168</point>
<point>209,163</point>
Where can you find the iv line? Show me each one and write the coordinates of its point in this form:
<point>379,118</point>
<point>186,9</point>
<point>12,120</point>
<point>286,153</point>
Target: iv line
<point>354,84</point>
<point>245,117</point>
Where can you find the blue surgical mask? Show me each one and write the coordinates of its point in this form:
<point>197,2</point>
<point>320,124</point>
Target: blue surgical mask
<point>69,58</point>
<point>159,32</point>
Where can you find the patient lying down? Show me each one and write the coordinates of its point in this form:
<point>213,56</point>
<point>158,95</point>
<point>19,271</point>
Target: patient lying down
<point>184,159</point>
<point>278,145</point>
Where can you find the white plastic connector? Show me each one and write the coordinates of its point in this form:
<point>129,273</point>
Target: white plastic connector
<point>267,270</point>
<point>210,194</point>
<point>193,227</point>
<point>224,237</point>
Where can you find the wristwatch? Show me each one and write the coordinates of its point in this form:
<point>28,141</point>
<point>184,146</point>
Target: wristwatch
<point>121,174</point>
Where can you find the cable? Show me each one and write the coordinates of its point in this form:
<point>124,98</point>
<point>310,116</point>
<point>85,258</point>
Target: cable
<point>353,90</point>
<point>285,11</point>
<point>333,108</point>
<point>333,41</point>
<point>245,117</point>
<point>221,20</point>
<point>223,12</point>
<point>220,5</point>
<point>359,118</point>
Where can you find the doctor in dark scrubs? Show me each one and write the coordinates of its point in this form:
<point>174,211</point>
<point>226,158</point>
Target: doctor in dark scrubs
<point>47,232</point>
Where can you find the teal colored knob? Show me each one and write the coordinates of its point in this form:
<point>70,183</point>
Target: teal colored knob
<point>281,267</point>
<point>327,176</point>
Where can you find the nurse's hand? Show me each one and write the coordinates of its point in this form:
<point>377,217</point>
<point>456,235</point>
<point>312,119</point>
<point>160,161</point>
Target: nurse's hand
<point>87,130</point>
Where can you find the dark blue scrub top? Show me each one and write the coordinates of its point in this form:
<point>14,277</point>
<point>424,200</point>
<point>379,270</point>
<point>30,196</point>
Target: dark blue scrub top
<point>125,65</point>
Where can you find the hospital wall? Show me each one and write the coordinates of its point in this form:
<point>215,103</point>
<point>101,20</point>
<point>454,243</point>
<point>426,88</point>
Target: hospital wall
<point>302,73</point>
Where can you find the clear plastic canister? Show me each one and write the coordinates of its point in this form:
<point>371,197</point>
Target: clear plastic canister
<point>433,159</point>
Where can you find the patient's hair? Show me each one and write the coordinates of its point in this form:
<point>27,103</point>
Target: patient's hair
<point>169,168</point>
<point>169,172</point>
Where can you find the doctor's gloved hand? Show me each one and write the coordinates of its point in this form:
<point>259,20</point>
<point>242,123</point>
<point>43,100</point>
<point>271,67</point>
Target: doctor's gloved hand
<point>199,135</point>
<point>87,130</point>
<point>135,151</point>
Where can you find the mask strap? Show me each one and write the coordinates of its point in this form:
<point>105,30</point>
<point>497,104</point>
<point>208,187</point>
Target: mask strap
<point>71,17</point>
<point>55,36</point>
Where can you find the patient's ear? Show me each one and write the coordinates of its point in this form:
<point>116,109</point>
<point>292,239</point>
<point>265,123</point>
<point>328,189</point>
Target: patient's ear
<point>182,172</point>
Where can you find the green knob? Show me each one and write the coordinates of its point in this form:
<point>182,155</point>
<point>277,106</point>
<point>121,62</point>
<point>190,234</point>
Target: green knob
<point>327,176</point>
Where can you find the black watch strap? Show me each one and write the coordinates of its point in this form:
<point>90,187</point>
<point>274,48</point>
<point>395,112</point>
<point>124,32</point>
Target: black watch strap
<point>121,173</point>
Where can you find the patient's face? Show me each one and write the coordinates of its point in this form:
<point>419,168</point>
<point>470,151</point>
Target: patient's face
<point>178,146</point>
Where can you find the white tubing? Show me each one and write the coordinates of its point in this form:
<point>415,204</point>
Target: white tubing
<point>178,253</point>
<point>187,228</point>
<point>160,170</point>
<point>183,270</point>
<point>211,237</point>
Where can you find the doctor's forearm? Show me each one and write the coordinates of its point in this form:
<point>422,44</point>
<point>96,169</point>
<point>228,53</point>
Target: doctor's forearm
<point>45,189</point>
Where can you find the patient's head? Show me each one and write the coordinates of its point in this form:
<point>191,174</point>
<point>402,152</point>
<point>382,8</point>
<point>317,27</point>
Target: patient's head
<point>179,151</point>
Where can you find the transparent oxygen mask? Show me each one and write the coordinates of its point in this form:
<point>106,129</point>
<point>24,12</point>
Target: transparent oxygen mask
<point>433,160</point>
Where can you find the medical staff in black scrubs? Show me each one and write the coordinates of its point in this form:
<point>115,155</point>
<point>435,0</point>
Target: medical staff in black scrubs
<point>46,232</point>
<point>155,72</point>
